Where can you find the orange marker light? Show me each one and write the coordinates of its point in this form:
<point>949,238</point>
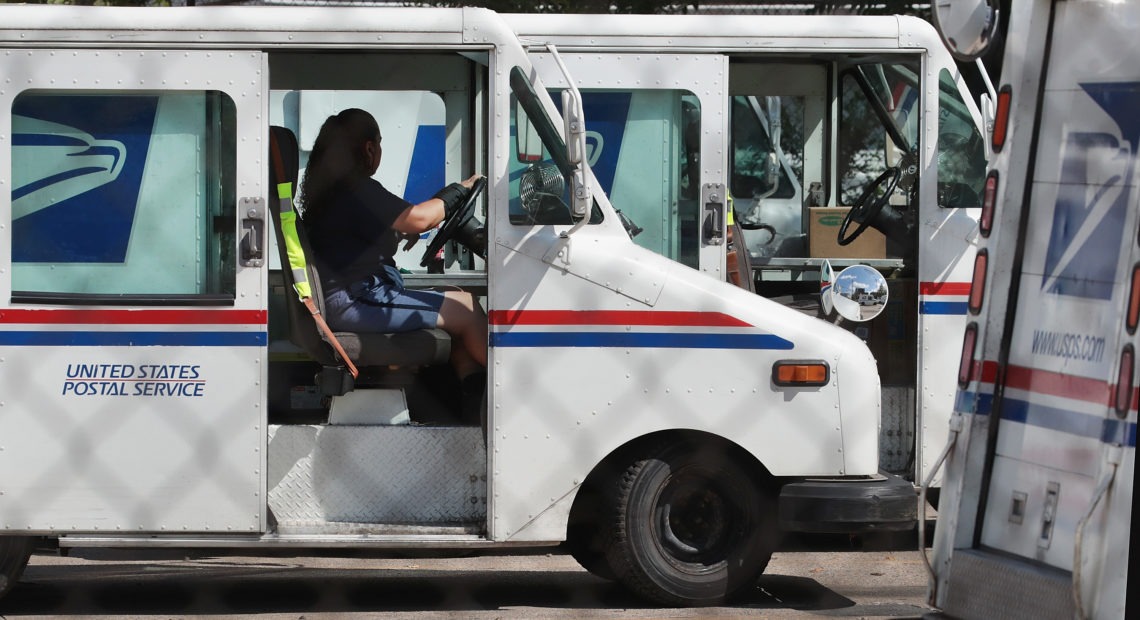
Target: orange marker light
<point>978,285</point>
<point>966,363</point>
<point>1124,382</point>
<point>1001,117</point>
<point>989,199</point>
<point>800,373</point>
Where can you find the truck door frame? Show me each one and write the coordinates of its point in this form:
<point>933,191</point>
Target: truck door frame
<point>193,462</point>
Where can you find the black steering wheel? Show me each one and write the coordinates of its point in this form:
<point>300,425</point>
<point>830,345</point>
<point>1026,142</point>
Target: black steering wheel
<point>452,224</point>
<point>867,207</point>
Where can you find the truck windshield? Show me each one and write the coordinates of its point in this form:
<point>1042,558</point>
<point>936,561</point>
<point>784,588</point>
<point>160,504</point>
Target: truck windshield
<point>524,93</point>
<point>878,128</point>
<point>961,149</point>
<point>891,95</point>
<point>540,177</point>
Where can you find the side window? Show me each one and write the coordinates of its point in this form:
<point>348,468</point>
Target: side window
<point>767,171</point>
<point>759,168</point>
<point>878,127</point>
<point>961,150</point>
<point>412,124</point>
<point>631,136</point>
<point>635,135</point>
<point>123,197</point>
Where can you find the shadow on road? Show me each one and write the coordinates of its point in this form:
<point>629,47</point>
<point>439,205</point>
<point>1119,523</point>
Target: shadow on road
<point>167,582</point>
<point>217,585</point>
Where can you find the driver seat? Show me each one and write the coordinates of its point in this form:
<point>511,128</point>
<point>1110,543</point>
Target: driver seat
<point>373,352</point>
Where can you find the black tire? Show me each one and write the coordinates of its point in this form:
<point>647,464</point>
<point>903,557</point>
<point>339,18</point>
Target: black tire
<point>14,554</point>
<point>692,527</point>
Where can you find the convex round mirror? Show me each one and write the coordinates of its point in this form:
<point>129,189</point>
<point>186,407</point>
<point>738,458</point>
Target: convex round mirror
<point>859,293</point>
<point>967,27</point>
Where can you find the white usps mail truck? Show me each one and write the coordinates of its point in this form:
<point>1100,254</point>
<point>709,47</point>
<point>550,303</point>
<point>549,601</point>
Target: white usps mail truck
<point>822,129</point>
<point>1036,512</point>
<point>167,383</point>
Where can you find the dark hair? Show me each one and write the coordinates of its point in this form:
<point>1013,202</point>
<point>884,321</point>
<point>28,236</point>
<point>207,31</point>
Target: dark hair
<point>338,155</point>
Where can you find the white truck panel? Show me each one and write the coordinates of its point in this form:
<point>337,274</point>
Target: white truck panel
<point>709,370</point>
<point>103,380</point>
<point>132,438</point>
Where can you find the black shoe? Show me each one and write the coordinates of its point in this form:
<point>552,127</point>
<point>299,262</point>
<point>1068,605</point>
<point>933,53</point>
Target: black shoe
<point>473,389</point>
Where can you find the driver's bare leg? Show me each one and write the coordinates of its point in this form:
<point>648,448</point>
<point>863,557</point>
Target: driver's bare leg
<point>463,318</point>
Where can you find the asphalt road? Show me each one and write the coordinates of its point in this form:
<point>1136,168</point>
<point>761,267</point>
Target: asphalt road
<point>808,579</point>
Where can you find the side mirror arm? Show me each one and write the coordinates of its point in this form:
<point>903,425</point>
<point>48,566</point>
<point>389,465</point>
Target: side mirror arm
<point>581,197</point>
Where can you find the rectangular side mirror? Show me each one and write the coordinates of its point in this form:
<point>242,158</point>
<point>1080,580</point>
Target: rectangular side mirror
<point>575,132</point>
<point>581,200</point>
<point>528,144</point>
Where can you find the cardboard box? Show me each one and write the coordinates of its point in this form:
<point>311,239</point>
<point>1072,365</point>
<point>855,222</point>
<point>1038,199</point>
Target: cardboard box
<point>823,230</point>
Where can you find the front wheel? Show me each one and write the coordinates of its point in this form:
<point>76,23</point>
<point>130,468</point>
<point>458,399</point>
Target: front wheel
<point>691,527</point>
<point>14,554</point>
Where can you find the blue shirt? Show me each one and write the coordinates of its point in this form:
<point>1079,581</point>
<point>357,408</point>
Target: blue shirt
<point>351,233</point>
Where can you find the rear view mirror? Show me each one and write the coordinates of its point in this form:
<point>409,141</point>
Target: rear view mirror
<point>967,27</point>
<point>528,144</point>
<point>859,293</point>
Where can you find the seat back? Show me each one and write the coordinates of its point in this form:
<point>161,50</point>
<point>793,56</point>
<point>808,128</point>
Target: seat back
<point>416,348</point>
<point>301,279</point>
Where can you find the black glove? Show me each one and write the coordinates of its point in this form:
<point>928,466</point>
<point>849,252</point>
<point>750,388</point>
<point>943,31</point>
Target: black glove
<point>453,197</point>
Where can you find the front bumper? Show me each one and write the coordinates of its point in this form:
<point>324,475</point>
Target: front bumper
<point>848,505</point>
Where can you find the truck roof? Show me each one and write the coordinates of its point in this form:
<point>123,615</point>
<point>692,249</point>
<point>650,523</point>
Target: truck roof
<point>247,26</point>
<point>724,32</point>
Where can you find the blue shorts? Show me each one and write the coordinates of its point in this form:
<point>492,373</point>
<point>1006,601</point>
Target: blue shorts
<point>380,303</point>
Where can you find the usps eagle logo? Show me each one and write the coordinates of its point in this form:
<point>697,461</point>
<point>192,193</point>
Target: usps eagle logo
<point>77,171</point>
<point>1096,179</point>
<point>58,162</point>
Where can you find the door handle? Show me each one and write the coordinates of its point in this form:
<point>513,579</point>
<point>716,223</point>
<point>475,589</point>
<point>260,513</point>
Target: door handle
<point>252,232</point>
<point>713,199</point>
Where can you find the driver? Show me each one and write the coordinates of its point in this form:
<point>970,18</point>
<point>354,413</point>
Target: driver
<point>354,225</point>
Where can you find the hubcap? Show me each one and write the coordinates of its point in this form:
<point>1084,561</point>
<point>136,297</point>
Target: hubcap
<point>695,521</point>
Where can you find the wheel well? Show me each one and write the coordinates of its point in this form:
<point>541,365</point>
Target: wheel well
<point>589,501</point>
